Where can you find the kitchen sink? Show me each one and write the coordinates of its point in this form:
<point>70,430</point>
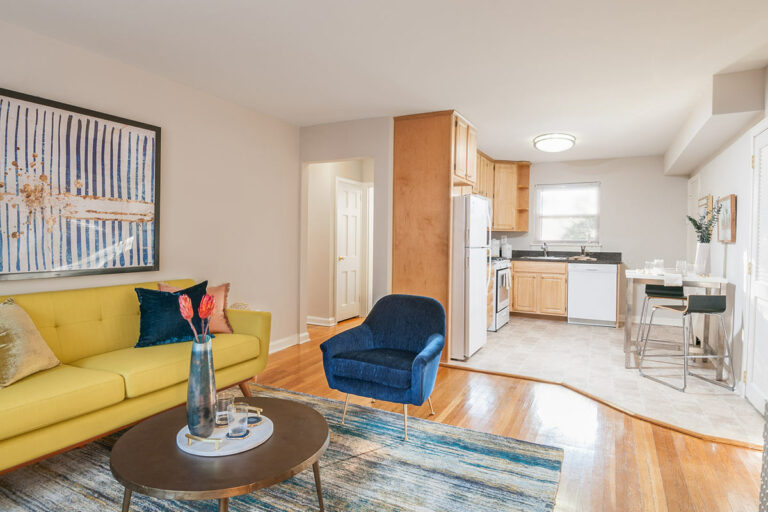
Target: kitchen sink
<point>545,258</point>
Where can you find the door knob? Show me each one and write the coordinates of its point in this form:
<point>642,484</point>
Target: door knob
<point>341,258</point>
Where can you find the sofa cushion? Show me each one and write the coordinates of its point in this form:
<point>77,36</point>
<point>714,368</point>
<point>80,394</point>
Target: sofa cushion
<point>148,369</point>
<point>381,365</point>
<point>161,322</point>
<point>55,395</point>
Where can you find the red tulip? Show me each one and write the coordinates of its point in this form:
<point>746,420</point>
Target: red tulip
<point>206,306</point>
<point>185,306</point>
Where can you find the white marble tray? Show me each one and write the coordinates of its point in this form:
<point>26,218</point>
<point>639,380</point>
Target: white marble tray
<point>258,435</point>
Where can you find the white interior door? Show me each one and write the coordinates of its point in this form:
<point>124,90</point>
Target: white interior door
<point>757,363</point>
<point>349,213</point>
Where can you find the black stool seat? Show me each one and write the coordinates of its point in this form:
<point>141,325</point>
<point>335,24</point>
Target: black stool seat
<point>706,304</point>
<point>658,291</point>
<point>680,308</point>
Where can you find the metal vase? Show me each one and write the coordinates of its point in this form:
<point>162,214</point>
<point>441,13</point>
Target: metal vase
<point>201,389</point>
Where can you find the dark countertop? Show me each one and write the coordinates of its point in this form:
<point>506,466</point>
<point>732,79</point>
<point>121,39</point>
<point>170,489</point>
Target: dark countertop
<point>613,258</point>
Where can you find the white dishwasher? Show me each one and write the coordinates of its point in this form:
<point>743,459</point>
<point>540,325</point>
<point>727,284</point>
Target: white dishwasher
<point>592,293</point>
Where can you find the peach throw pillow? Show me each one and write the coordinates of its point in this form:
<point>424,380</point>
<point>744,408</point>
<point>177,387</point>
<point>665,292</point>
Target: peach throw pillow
<point>219,322</point>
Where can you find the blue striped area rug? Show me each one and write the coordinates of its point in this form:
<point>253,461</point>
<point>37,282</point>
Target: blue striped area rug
<point>367,467</point>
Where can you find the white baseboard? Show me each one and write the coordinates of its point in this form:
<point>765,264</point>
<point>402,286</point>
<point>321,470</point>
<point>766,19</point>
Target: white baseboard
<point>281,343</point>
<point>303,337</point>
<point>318,320</point>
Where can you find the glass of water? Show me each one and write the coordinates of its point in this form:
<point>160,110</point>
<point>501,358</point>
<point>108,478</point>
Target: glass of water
<point>682,266</point>
<point>223,401</point>
<point>237,419</point>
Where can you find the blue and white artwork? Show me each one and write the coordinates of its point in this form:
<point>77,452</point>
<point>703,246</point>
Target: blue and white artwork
<point>77,192</point>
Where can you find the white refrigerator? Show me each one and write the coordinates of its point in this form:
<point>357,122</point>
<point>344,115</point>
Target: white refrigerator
<point>471,274</point>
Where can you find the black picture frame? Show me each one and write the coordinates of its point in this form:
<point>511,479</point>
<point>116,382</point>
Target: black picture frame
<point>81,111</point>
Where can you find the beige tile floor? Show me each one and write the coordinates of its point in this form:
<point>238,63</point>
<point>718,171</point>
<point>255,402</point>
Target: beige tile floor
<point>592,360</point>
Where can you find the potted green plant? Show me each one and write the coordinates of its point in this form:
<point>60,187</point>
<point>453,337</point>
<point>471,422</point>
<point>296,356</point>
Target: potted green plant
<point>703,227</point>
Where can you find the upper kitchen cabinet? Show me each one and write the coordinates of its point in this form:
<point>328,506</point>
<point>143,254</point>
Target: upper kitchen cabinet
<point>511,182</point>
<point>464,151</point>
<point>484,184</point>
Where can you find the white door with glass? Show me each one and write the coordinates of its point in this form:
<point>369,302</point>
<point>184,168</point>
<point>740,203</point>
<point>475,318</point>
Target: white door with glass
<point>349,216</point>
<point>757,364</point>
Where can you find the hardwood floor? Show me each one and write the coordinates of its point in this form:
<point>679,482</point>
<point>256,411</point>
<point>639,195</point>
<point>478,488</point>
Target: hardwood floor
<point>612,461</point>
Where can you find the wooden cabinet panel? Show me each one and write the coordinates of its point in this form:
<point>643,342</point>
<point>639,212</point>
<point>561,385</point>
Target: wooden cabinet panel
<point>504,196</point>
<point>550,267</point>
<point>471,154</point>
<point>484,183</point>
<point>553,294</point>
<point>460,148</point>
<point>540,287</point>
<point>524,289</point>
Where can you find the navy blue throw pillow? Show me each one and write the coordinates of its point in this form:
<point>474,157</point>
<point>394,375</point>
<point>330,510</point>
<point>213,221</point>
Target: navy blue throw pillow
<point>161,322</point>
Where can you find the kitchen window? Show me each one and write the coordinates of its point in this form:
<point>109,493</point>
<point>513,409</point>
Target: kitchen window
<point>567,213</point>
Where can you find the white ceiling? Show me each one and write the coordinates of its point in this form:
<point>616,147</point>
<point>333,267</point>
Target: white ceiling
<point>621,75</point>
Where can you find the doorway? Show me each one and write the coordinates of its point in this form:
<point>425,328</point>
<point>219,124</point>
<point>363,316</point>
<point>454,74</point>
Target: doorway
<point>339,240</point>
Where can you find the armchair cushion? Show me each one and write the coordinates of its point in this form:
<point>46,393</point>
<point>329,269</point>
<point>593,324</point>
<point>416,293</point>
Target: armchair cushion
<point>380,365</point>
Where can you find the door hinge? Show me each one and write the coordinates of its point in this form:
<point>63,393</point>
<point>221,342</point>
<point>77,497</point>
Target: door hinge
<point>753,161</point>
<point>745,375</point>
<point>749,268</point>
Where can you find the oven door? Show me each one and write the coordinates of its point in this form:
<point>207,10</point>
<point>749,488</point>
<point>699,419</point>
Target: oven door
<point>503,285</point>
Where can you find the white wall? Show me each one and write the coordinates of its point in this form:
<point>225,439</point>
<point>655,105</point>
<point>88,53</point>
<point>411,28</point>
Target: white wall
<point>230,176</point>
<point>321,235</point>
<point>364,138</point>
<point>730,172</point>
<point>642,212</point>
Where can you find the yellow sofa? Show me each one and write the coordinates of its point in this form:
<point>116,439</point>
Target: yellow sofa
<point>104,383</point>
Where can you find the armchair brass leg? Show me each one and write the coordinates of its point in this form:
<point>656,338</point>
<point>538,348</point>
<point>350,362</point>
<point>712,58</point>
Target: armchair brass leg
<point>431,409</point>
<point>346,403</point>
<point>405,421</point>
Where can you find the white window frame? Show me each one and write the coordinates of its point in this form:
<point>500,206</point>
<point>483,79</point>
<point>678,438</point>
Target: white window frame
<point>538,214</point>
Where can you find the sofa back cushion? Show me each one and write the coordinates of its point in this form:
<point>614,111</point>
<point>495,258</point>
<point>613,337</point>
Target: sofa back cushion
<point>88,321</point>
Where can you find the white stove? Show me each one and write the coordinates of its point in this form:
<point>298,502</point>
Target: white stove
<point>499,293</point>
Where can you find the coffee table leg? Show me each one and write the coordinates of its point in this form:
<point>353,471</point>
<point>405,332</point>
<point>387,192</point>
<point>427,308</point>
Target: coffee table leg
<point>223,504</point>
<point>127,500</point>
<point>316,470</point>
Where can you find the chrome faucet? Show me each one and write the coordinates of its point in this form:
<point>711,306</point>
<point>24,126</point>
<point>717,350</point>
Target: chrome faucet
<point>545,248</point>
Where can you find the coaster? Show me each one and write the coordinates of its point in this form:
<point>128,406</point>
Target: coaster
<point>254,420</point>
<point>247,433</point>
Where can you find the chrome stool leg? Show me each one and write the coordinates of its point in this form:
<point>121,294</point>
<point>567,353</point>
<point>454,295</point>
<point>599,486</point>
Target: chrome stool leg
<point>726,355</point>
<point>644,355</point>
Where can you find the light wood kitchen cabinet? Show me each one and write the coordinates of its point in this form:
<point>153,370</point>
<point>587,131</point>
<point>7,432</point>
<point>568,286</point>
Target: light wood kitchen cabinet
<point>524,292</point>
<point>430,157</point>
<point>540,287</point>
<point>471,155</point>
<point>484,184</point>
<point>553,294</point>
<point>461,128</point>
<point>504,196</point>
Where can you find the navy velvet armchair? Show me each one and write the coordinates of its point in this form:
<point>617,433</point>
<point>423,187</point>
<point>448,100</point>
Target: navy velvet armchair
<point>394,355</point>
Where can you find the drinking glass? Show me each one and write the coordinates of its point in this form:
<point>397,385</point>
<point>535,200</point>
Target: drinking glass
<point>649,267</point>
<point>237,419</point>
<point>658,266</point>
<point>223,400</point>
<point>681,266</point>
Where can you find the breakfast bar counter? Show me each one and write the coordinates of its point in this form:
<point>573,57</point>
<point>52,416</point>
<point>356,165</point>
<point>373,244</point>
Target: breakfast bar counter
<point>711,285</point>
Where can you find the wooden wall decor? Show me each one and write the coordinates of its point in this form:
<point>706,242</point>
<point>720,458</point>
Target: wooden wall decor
<point>726,222</point>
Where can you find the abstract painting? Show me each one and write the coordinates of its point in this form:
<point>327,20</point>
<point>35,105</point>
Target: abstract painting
<point>79,190</point>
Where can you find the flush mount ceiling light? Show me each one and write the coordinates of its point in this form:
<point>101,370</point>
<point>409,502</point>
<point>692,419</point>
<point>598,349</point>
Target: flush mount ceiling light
<point>554,142</point>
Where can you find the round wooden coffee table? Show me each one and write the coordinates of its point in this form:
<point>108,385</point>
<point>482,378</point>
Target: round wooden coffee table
<point>146,459</point>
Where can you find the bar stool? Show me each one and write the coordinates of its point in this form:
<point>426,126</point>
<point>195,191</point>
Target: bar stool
<point>657,292</point>
<point>714,305</point>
